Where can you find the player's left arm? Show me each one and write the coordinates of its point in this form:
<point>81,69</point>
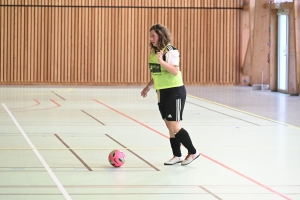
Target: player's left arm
<point>172,61</point>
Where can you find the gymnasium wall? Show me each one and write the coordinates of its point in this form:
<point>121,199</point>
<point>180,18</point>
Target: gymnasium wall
<point>102,42</point>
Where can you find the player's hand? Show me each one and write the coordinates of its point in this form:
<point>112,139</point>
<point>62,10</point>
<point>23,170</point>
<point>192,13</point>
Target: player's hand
<point>145,91</point>
<point>160,55</point>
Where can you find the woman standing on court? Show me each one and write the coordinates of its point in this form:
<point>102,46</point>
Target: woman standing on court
<point>171,93</point>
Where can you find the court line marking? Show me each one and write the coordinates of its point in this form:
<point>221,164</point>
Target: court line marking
<point>138,148</point>
<point>37,103</point>
<point>248,113</point>
<point>75,154</point>
<point>50,172</point>
<point>41,93</point>
<point>222,113</point>
<point>68,90</point>
<point>93,117</point>
<point>57,105</point>
<point>132,119</point>
<point>131,193</point>
<point>133,153</point>
<point>58,96</point>
<point>16,109</point>
<point>209,192</point>
<point>140,186</point>
<point>244,176</point>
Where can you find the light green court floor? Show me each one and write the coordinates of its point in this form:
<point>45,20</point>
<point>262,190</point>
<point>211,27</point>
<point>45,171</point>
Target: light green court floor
<point>55,140</point>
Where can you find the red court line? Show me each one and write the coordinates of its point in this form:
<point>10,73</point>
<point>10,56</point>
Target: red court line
<point>132,119</point>
<point>244,176</point>
<point>57,105</point>
<point>37,103</point>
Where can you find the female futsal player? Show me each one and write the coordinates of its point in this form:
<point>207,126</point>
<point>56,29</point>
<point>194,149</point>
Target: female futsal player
<point>171,93</point>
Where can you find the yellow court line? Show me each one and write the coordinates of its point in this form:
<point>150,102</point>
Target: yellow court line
<point>84,148</point>
<point>64,91</point>
<point>41,93</point>
<point>258,116</point>
<point>5,149</point>
<point>68,90</point>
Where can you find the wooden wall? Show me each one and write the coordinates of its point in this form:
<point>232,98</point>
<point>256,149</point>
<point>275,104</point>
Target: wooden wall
<point>106,42</point>
<point>261,54</point>
<point>297,42</point>
<point>245,42</point>
<point>260,69</point>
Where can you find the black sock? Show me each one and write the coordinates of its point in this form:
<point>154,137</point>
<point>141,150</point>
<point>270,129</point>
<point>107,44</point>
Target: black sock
<point>184,138</point>
<point>175,144</point>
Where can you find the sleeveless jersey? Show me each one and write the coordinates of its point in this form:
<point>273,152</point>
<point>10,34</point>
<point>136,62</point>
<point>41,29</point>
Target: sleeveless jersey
<point>161,77</point>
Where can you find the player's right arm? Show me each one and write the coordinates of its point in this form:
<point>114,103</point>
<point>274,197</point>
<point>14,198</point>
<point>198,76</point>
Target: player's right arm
<point>147,88</point>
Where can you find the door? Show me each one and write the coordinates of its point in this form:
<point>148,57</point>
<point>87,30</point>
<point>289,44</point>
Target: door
<point>283,31</point>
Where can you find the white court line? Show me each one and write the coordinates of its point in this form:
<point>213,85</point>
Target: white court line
<point>55,179</point>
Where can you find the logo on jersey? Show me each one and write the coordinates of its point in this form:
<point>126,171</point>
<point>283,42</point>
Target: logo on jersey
<point>155,68</point>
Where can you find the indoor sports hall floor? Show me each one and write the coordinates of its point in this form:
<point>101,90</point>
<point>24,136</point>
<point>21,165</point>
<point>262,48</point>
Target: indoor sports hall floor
<point>55,140</point>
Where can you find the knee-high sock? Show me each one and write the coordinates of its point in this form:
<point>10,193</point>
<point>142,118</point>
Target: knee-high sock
<point>175,144</point>
<point>184,138</point>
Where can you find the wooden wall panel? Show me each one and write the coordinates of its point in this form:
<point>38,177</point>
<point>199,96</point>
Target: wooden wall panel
<point>260,69</point>
<point>292,76</point>
<point>297,42</point>
<point>273,50</point>
<point>106,42</point>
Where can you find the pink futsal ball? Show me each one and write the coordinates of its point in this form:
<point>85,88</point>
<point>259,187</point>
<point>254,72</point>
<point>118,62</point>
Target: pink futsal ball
<point>116,158</point>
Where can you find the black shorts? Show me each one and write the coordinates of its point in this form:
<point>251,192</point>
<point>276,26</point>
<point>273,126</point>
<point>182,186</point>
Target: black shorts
<point>171,103</point>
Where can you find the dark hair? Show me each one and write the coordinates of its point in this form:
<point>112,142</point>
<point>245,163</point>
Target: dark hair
<point>163,35</point>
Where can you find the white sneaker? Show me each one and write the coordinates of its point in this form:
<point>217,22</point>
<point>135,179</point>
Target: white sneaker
<point>174,160</point>
<point>190,157</point>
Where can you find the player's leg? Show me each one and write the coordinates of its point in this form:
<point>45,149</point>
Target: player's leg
<point>175,145</point>
<point>174,111</point>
